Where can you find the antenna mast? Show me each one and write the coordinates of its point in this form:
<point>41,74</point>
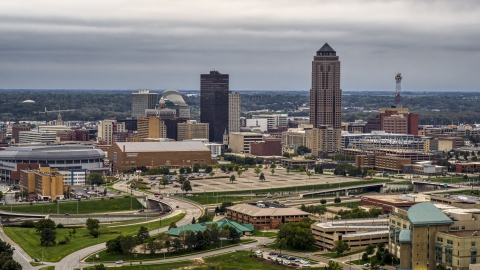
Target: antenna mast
<point>398,91</point>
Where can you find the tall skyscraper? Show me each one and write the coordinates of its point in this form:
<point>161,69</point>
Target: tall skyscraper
<point>214,103</point>
<point>234,101</point>
<point>143,100</point>
<point>325,94</point>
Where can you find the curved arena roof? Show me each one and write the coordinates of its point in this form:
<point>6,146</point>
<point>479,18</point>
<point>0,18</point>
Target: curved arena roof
<point>56,152</point>
<point>174,96</point>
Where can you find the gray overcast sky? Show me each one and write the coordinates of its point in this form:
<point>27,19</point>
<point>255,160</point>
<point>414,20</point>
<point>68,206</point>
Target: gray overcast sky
<point>263,45</point>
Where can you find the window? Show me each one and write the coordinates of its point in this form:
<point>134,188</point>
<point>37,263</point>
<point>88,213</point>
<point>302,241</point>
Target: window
<point>473,259</point>
<point>448,255</point>
<point>438,253</point>
<point>473,244</point>
<point>439,239</point>
<point>450,242</point>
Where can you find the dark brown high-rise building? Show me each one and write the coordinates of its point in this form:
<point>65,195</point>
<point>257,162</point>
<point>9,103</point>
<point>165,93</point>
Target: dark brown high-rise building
<point>325,94</point>
<point>214,103</point>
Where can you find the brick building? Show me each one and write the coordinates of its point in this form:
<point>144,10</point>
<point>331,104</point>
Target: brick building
<point>264,215</point>
<point>268,147</point>
<point>128,155</point>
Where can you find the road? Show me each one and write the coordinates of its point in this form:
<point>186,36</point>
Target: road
<point>73,260</point>
<point>19,255</point>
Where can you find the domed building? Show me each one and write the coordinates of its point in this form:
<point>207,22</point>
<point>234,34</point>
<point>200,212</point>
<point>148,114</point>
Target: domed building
<point>174,100</point>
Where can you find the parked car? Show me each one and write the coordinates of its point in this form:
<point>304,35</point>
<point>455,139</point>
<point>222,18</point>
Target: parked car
<point>119,262</point>
<point>141,210</point>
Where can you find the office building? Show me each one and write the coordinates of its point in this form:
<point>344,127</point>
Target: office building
<point>268,147</point>
<point>273,120</point>
<point>74,177</point>
<point>37,137</point>
<point>43,184</point>
<point>16,132</point>
<point>325,94</point>
<point>214,91</point>
<point>151,127</point>
<point>240,142</point>
<point>325,139</point>
<point>234,102</point>
<point>106,128</point>
<point>192,130</point>
<point>143,100</point>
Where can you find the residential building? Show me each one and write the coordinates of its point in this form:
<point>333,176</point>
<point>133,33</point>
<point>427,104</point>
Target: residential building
<point>106,128</point>
<point>240,142</point>
<point>192,130</point>
<point>325,94</point>
<point>325,139</point>
<point>265,215</point>
<point>273,120</point>
<point>234,109</point>
<point>43,184</point>
<point>143,100</point>
<point>214,91</point>
<point>128,155</point>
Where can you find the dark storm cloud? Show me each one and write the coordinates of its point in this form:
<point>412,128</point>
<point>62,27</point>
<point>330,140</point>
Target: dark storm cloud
<point>261,44</point>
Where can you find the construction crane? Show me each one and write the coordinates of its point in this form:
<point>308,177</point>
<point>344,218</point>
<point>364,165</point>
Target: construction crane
<point>56,111</point>
<point>398,90</point>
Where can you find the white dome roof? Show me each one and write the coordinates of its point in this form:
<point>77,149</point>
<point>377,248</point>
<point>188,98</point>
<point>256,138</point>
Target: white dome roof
<point>174,96</point>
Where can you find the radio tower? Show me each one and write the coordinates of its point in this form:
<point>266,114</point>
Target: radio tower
<point>398,91</point>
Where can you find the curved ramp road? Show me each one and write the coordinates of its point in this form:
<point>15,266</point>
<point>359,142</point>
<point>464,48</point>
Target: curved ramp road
<point>72,261</point>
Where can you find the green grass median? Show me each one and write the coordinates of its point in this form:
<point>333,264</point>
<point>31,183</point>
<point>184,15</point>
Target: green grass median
<point>29,240</point>
<point>84,206</point>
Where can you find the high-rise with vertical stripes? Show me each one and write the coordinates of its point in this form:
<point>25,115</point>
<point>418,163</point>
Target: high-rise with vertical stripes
<point>325,94</point>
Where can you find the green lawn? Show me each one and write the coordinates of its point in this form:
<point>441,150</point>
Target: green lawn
<point>228,261</point>
<point>308,249</point>
<point>210,199</point>
<point>346,204</point>
<point>258,233</point>
<point>400,183</point>
<point>109,257</point>
<point>48,268</point>
<point>358,262</point>
<point>84,206</point>
<point>334,255</point>
<point>29,240</point>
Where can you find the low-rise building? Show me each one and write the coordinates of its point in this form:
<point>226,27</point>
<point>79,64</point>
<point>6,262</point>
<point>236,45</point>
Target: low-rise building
<point>388,202</point>
<point>74,177</point>
<point>264,215</point>
<point>192,130</point>
<point>240,142</point>
<point>357,233</point>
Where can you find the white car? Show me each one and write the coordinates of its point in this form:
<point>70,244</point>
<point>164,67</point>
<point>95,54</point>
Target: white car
<point>119,262</point>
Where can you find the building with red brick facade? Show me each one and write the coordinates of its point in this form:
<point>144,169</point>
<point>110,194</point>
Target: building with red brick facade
<point>264,215</point>
<point>268,147</point>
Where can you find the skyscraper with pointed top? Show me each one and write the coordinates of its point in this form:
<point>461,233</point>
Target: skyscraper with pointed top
<point>325,94</point>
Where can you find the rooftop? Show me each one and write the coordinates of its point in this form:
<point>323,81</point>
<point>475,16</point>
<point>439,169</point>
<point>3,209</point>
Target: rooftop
<point>261,212</point>
<point>162,146</point>
<point>423,214</point>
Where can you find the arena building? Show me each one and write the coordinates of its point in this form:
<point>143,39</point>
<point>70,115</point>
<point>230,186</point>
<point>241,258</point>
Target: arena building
<point>62,157</point>
<point>173,155</point>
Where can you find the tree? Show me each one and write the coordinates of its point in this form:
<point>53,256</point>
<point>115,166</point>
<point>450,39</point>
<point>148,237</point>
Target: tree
<point>100,267</point>
<point>211,174</point>
<point>340,247</point>
<point>43,224</point>
<point>301,150</point>
<point>181,170</point>
<point>272,170</point>
<point>332,265</point>
<point>181,179</point>
<point>186,186</point>
<point>224,205</point>
<point>370,249</point>
<point>239,172</point>
<point>337,200</point>
<point>288,169</point>
<point>143,234</point>
<point>95,179</point>
<point>298,235</point>
<point>208,169</point>
<point>48,237</point>
<point>286,154</point>
<point>323,201</point>
<point>172,225</point>
<point>234,235</point>
<point>93,224</point>
<point>214,233</point>
<point>365,256</point>
<point>193,220</point>
<point>309,174</point>
<point>196,168</point>
<point>257,170</point>
<point>11,265</point>
<point>280,244</point>
<point>6,247</point>
<point>188,170</point>
<point>127,243</point>
<point>177,245</point>
<point>164,181</point>
<point>262,177</point>
<point>318,169</point>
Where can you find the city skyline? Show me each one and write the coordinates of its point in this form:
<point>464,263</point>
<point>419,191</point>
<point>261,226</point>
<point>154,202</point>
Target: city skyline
<point>264,46</point>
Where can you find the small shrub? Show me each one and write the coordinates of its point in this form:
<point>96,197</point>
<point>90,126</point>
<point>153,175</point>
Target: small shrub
<point>365,256</point>
<point>111,198</point>
<point>62,242</point>
<point>28,224</point>
<point>103,198</point>
<point>60,225</point>
<point>94,233</point>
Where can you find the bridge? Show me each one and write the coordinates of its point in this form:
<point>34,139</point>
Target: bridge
<point>431,183</point>
<point>21,214</point>
<point>340,189</point>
